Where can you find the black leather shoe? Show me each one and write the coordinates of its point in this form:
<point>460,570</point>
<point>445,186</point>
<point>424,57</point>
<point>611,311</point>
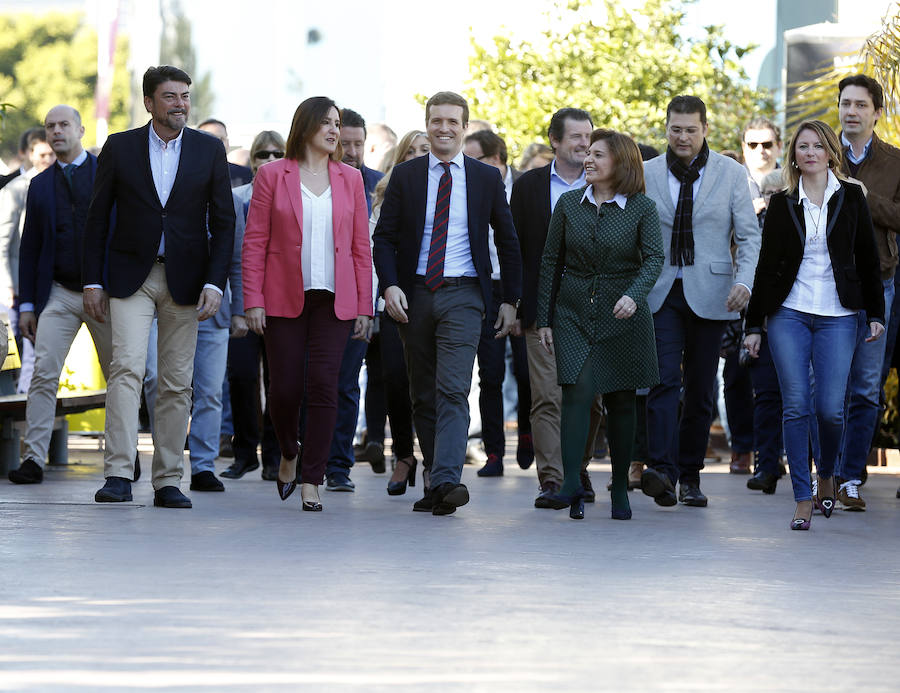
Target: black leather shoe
<point>588,496</point>
<point>238,468</point>
<point>269,472</point>
<point>225,449</point>
<point>448,497</point>
<point>763,482</point>
<point>206,481</point>
<point>170,497</point>
<point>689,493</point>
<point>29,472</point>
<point>339,481</point>
<point>425,504</point>
<point>659,487</point>
<point>374,453</point>
<point>543,499</point>
<point>137,467</point>
<point>116,490</point>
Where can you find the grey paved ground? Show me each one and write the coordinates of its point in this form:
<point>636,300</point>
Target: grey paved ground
<point>247,593</point>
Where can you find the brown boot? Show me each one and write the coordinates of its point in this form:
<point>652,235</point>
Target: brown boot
<point>741,463</point>
<point>635,470</point>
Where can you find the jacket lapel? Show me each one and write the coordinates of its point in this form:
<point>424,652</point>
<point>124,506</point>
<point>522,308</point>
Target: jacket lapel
<point>795,208</point>
<point>292,181</point>
<point>340,198</point>
<point>144,149</point>
<point>834,208</point>
<point>709,180</point>
<point>420,177</point>
<point>471,203</point>
<point>187,152</point>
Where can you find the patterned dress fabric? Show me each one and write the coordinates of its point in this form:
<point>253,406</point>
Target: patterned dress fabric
<point>591,259</point>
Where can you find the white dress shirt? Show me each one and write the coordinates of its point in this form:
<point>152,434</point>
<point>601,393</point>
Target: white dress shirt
<point>814,290</point>
<point>317,244</point>
<point>458,254</point>
<point>164,160</point>
<point>558,185</point>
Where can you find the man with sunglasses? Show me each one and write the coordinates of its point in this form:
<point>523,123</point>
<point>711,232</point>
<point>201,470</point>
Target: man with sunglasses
<point>761,146</point>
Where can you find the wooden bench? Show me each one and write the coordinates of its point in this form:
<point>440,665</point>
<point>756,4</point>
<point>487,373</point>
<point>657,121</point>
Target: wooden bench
<point>12,409</point>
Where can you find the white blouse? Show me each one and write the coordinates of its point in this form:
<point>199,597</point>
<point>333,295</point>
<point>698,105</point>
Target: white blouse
<point>317,245</point>
<point>814,290</point>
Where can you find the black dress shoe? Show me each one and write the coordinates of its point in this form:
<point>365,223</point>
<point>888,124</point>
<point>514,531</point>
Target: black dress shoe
<point>689,493</point>
<point>659,487</point>
<point>116,490</point>
<point>206,481</point>
<point>763,482</point>
<point>543,499</point>
<point>269,473</point>
<point>425,504</point>
<point>170,497</point>
<point>137,466</point>
<point>225,448</point>
<point>374,453</point>
<point>29,472</point>
<point>588,496</point>
<point>238,468</point>
<point>448,497</point>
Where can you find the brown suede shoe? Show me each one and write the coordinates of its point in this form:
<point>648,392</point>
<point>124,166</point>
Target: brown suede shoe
<point>741,463</point>
<point>635,470</point>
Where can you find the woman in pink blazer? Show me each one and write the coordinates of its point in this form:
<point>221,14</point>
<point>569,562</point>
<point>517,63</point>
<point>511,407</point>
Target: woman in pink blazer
<point>307,271</point>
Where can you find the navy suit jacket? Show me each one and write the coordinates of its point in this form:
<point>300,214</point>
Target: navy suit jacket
<point>38,245</point>
<point>401,225</point>
<point>200,199</point>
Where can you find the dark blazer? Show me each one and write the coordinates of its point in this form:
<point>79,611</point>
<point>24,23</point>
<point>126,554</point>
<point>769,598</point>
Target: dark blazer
<point>851,245</point>
<point>401,225</point>
<point>38,244</point>
<point>200,199</point>
<point>530,205</point>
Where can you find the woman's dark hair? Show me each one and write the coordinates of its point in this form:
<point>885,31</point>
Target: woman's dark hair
<point>629,165</point>
<point>307,120</point>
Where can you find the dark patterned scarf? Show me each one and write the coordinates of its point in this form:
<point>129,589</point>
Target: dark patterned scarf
<point>682,250</point>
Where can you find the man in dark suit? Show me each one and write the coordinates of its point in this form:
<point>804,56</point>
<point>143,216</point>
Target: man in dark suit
<point>240,175</point>
<point>50,280</point>
<point>169,185</point>
<point>534,197</point>
<point>489,148</point>
<point>340,456</point>
<point>431,254</point>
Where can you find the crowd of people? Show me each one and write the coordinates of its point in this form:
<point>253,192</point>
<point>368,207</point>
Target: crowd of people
<point>613,277</point>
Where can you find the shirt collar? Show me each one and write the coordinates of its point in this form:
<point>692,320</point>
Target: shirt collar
<point>846,144</point>
<point>618,198</point>
<point>831,187</point>
<point>553,173</point>
<point>80,159</point>
<point>159,143</point>
<point>433,161</point>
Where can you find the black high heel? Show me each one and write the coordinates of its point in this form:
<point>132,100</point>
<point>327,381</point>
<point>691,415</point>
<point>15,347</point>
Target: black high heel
<point>286,488</point>
<point>398,488</point>
<point>826,504</point>
<point>623,513</point>
<point>574,502</point>
<point>310,504</point>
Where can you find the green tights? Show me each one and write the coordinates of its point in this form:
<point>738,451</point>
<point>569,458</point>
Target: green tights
<point>575,422</point>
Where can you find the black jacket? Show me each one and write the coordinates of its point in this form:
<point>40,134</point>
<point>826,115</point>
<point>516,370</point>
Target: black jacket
<point>120,258</point>
<point>851,245</point>
<point>530,206</point>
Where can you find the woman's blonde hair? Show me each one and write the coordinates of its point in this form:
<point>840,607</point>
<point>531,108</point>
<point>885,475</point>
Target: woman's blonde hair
<point>829,140</point>
<point>395,156</point>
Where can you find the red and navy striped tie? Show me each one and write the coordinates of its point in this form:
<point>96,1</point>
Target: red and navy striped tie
<point>434,273</point>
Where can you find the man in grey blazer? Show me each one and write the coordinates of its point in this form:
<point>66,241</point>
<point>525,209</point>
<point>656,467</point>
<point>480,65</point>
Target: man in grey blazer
<point>704,208</point>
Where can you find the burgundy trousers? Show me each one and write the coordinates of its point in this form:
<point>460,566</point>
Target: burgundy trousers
<point>304,359</point>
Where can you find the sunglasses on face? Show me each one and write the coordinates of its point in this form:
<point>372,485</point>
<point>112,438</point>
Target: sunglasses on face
<point>768,144</point>
<point>268,154</point>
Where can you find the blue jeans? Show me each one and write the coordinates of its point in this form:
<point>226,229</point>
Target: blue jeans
<point>340,457</point>
<point>864,393</point>
<point>797,340</point>
<point>210,361</point>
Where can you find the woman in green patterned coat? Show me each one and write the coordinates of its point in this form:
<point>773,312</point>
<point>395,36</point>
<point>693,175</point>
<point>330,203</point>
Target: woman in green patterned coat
<point>602,256</point>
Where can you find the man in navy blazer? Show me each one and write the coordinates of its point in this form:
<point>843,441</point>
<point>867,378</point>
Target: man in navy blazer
<point>50,280</point>
<point>170,185</point>
<point>431,255</point>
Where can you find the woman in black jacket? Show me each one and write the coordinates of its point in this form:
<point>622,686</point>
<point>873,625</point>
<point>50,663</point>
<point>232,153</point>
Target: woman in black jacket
<point>818,266</point>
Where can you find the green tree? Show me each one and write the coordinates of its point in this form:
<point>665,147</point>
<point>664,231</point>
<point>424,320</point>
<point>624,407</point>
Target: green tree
<point>177,49</point>
<point>623,71</point>
<point>50,59</point>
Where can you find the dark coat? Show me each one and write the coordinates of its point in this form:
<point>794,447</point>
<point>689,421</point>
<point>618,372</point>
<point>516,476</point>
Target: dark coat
<point>401,225</point>
<point>851,246</point>
<point>200,199</point>
<point>530,206</point>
